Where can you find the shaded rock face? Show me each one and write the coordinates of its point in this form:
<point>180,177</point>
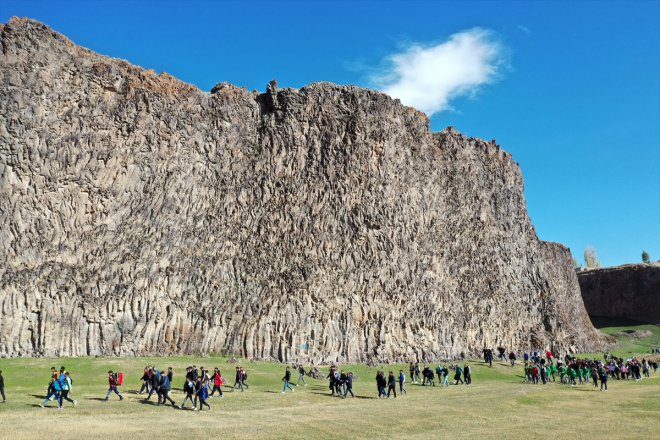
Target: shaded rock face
<point>631,291</point>
<point>140,216</point>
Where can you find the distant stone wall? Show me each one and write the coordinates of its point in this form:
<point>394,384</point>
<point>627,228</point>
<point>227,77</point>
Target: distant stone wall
<point>631,291</point>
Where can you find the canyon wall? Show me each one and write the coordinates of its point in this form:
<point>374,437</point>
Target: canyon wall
<point>142,216</point>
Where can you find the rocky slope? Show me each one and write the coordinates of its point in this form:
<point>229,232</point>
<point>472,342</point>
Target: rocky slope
<point>631,291</point>
<point>140,215</point>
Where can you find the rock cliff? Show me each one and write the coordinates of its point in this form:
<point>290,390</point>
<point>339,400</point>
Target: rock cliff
<point>631,291</point>
<point>140,215</point>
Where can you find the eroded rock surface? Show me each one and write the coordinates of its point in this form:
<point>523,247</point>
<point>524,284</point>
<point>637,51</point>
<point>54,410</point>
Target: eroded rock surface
<point>631,291</point>
<point>140,215</point>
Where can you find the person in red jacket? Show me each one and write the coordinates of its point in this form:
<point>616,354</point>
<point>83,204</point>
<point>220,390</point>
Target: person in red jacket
<point>217,383</point>
<point>112,386</point>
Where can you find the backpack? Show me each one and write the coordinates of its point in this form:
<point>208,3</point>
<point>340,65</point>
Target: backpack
<point>244,376</point>
<point>120,378</point>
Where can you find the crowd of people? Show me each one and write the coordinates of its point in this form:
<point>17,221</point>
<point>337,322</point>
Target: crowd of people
<point>200,385</point>
<point>542,368</point>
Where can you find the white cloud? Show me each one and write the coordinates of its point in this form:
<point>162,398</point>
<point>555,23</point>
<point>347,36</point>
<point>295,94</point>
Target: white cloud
<point>429,77</point>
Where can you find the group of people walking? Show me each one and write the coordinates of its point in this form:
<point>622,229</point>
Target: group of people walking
<point>59,387</point>
<point>200,385</point>
<point>428,376</point>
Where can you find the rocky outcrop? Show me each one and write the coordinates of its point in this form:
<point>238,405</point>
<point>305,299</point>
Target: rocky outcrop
<point>140,215</point>
<point>631,291</point>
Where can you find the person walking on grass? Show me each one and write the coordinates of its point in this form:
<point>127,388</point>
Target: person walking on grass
<point>391,384</point>
<point>146,379</point>
<point>238,380</point>
<point>202,393</point>
<point>189,390</point>
<point>603,378</point>
<point>218,381</point>
<point>65,385</point>
<point>52,393</point>
<point>244,378</point>
<point>301,375</point>
<point>155,380</point>
<point>381,383</point>
<point>164,387</point>
<point>402,380</point>
<point>2,388</point>
<point>512,358</point>
<point>467,374</point>
<point>286,379</point>
<point>348,385</point>
<point>445,376</point>
<point>457,375</point>
<point>112,387</point>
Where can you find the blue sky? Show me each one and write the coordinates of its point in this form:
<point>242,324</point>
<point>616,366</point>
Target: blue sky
<point>573,90</point>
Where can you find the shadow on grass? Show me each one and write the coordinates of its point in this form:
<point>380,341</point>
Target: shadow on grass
<point>347,397</point>
<point>97,399</point>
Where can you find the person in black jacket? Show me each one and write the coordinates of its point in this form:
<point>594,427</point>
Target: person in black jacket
<point>2,388</point>
<point>391,385</point>
<point>301,375</point>
<point>348,385</point>
<point>146,379</point>
<point>238,382</point>
<point>381,383</point>
<point>155,380</point>
<point>286,379</point>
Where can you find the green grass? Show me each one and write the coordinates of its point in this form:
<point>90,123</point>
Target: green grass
<point>497,404</point>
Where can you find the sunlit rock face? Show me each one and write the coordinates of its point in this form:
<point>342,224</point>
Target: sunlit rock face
<point>142,216</point>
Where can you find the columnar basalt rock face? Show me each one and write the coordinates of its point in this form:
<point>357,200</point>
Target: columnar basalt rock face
<point>631,291</point>
<point>140,216</point>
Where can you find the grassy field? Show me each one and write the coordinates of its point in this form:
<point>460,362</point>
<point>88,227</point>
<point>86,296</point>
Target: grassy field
<point>497,405</point>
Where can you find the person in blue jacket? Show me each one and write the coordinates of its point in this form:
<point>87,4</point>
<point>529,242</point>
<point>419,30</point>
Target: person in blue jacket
<point>202,393</point>
<point>164,387</point>
<point>53,391</point>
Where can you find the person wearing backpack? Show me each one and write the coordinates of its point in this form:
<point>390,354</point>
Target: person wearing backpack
<point>112,387</point>
<point>65,386</point>
<point>445,376</point>
<point>402,380</point>
<point>217,382</point>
